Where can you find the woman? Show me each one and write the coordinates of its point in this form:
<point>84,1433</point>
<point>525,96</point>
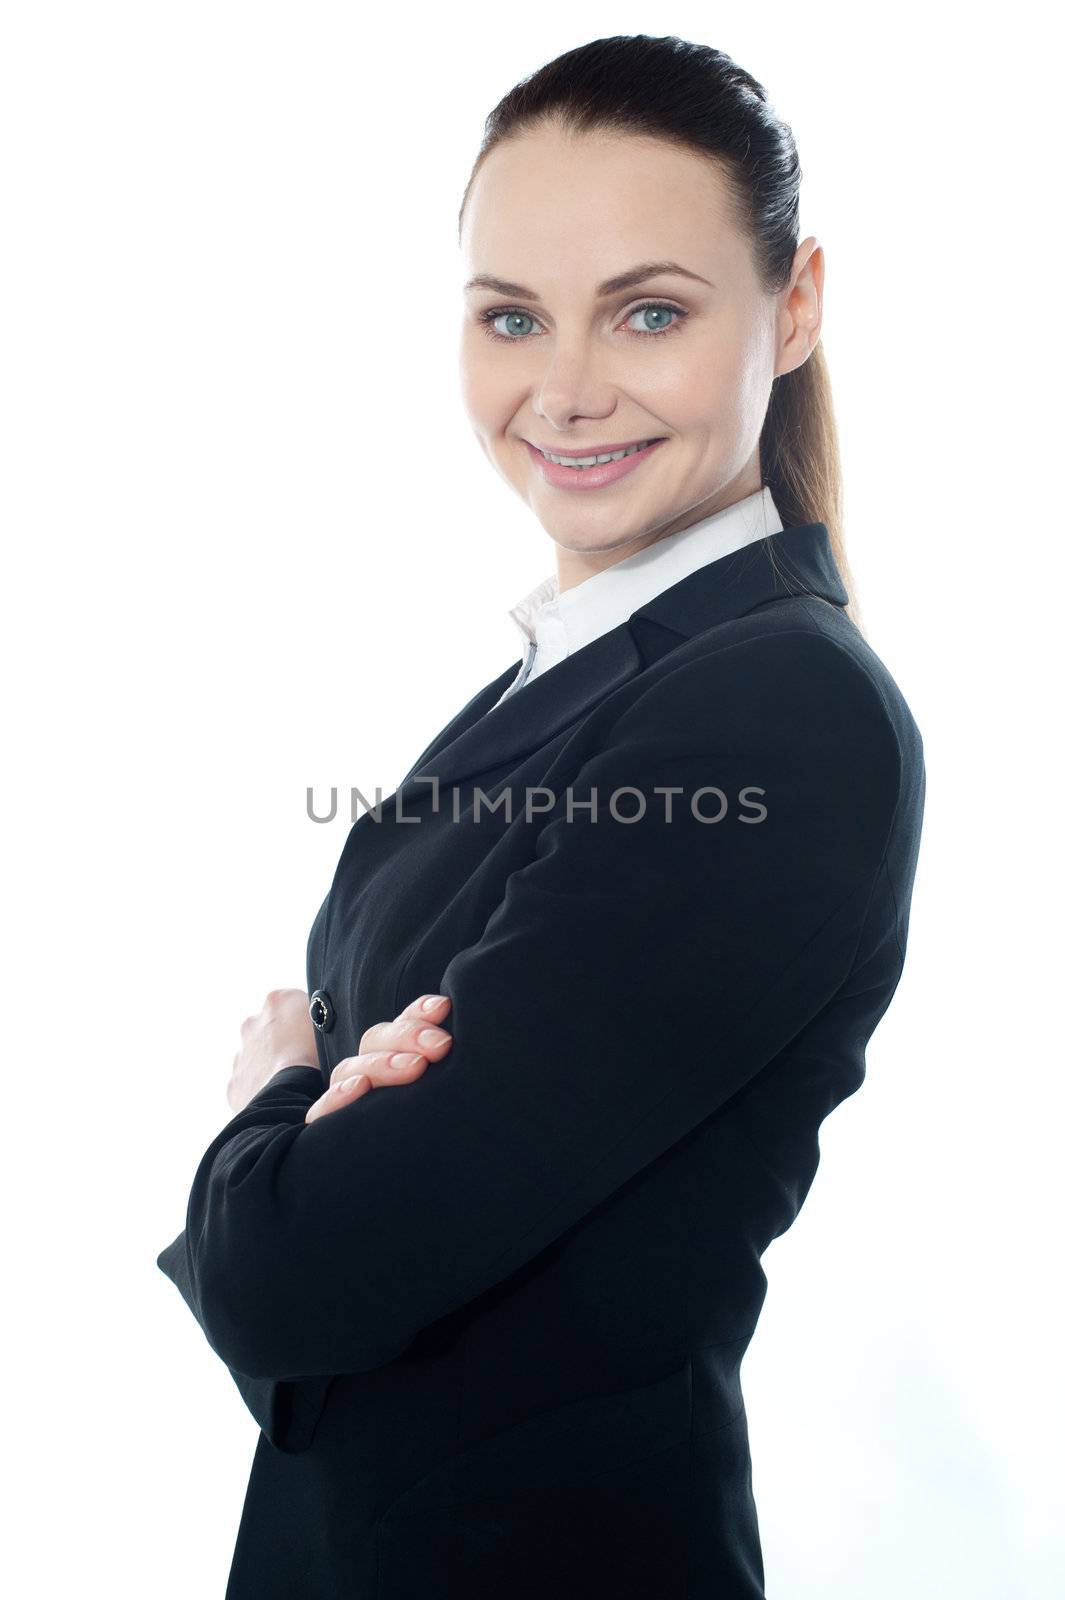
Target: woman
<point>649,890</point>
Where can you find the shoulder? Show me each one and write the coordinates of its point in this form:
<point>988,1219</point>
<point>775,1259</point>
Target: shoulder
<point>796,669</point>
<point>771,706</point>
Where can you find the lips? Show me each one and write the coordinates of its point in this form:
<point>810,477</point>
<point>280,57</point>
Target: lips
<point>584,478</point>
<point>594,449</point>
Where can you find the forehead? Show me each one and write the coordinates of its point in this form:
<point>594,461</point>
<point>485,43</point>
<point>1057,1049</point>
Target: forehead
<point>548,200</point>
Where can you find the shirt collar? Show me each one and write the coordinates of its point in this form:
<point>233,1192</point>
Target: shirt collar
<point>608,598</point>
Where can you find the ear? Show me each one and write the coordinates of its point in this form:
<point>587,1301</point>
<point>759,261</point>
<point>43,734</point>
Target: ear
<point>800,307</point>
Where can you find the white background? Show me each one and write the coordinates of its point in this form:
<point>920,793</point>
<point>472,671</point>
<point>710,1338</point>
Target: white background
<point>252,545</point>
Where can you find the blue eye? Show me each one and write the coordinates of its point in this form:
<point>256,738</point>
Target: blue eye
<point>509,315</point>
<point>654,311</point>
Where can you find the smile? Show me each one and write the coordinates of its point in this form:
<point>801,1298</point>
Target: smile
<point>582,463</point>
<point>599,469</point>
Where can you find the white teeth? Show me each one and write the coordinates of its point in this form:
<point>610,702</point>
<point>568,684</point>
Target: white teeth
<point>583,462</point>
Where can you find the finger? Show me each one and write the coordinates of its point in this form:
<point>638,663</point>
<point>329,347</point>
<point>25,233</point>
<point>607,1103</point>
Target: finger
<point>379,1069</point>
<point>382,1067</point>
<point>434,1006</point>
<point>344,1093</point>
<point>357,1075</point>
<point>411,1030</point>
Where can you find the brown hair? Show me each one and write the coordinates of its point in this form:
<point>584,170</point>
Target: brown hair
<point>698,98</point>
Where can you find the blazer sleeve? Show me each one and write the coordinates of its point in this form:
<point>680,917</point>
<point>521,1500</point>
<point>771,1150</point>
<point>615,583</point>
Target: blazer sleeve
<point>636,974</point>
<point>286,1412</point>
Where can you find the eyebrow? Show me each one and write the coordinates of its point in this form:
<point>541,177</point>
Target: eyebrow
<point>624,280</point>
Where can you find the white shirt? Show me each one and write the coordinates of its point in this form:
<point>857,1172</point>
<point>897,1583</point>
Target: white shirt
<point>553,625</point>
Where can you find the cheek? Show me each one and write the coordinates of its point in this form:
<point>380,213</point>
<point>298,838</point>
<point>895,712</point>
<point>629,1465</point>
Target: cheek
<point>710,389</point>
<point>691,386</point>
<point>690,398</point>
<point>751,356</point>
<point>488,391</point>
<point>471,376</point>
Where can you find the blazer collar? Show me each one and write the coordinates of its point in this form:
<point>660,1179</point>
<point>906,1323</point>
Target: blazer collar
<point>797,560</point>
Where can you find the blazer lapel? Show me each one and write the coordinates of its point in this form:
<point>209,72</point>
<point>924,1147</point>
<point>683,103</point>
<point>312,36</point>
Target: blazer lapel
<point>484,735</point>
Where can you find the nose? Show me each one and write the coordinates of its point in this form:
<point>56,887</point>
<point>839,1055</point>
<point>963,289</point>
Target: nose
<point>574,383</point>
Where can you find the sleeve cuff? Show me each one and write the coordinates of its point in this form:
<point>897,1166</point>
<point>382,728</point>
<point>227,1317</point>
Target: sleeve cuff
<point>301,1079</point>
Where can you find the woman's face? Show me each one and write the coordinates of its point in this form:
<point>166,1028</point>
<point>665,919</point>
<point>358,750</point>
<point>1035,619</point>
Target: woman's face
<point>555,357</point>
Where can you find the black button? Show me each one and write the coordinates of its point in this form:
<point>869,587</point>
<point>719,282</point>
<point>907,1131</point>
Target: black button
<point>322,1014</point>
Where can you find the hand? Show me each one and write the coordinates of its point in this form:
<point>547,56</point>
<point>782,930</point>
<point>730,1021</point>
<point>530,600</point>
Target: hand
<point>280,1035</point>
<point>378,1065</point>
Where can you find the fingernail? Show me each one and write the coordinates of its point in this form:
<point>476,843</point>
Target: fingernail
<point>432,1002</point>
<point>405,1060</point>
<point>431,1036</point>
<point>349,1083</point>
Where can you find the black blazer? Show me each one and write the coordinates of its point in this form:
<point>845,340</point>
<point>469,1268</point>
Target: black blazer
<point>491,1321</point>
